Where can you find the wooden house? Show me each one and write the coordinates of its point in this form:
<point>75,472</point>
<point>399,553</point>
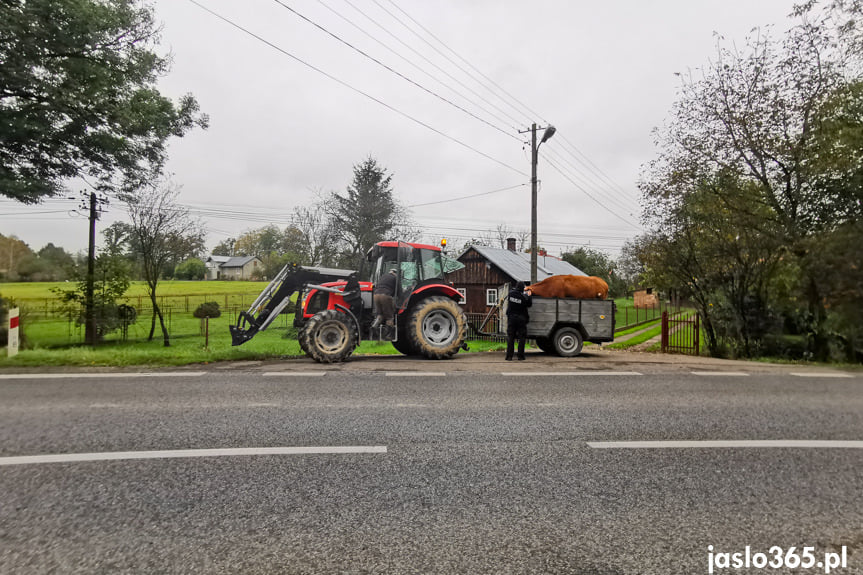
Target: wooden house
<point>488,269</point>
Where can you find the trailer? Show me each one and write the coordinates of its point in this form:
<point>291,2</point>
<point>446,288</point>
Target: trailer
<point>561,326</point>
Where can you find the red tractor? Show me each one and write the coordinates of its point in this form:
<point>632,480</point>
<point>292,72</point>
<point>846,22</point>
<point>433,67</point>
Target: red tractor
<point>334,311</point>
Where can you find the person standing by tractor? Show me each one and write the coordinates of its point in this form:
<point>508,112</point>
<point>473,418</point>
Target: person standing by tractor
<point>517,316</point>
<point>385,303</point>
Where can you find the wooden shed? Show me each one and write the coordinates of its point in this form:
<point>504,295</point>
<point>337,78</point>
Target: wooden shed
<point>645,298</point>
<point>488,269</point>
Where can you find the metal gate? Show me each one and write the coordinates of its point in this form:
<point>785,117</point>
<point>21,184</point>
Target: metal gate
<point>680,335</point>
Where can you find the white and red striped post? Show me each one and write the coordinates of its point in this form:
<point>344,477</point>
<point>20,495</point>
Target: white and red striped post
<point>13,332</point>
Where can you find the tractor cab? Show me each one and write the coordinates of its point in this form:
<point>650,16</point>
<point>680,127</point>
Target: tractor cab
<point>417,266</point>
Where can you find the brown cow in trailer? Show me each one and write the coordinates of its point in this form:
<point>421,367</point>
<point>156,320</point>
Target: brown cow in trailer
<point>568,286</point>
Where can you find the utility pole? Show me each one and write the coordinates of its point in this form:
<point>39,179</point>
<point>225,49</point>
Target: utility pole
<point>89,316</point>
<point>89,299</point>
<point>534,160</point>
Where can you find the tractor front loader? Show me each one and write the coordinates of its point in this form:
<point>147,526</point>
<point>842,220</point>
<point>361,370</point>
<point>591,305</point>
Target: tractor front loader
<point>277,295</point>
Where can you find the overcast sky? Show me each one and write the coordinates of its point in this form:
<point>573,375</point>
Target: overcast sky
<point>293,110</point>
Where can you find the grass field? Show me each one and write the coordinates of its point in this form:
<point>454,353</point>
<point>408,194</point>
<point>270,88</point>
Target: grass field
<point>42,290</point>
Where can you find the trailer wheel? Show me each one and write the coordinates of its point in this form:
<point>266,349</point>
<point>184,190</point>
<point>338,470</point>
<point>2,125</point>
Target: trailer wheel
<point>329,337</point>
<point>567,342</point>
<point>437,328</point>
<point>545,345</point>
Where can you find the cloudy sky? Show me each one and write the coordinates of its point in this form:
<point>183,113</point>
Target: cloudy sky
<point>437,91</point>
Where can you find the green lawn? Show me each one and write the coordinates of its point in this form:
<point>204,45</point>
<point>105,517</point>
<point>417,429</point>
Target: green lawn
<point>58,343</point>
<point>55,340</point>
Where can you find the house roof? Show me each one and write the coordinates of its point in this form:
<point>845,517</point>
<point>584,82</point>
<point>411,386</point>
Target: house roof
<point>238,262</point>
<point>218,259</point>
<point>517,264</point>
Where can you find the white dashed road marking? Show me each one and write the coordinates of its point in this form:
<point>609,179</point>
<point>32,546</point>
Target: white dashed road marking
<point>776,443</point>
<point>101,375</point>
<point>821,374</point>
<point>415,374</point>
<point>295,373</point>
<point>566,373</point>
<point>187,453</point>
<point>721,373</point>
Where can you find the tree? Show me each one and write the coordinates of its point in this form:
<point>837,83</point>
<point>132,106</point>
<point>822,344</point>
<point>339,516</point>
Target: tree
<point>630,264</point>
<point>111,280</point>
<point>78,96</point>
<point>272,246</point>
<point>56,261</point>
<point>191,269</point>
<point>718,250</point>
<point>774,122</point>
<point>13,252</point>
<point>225,248</point>
<point>318,234</point>
<point>161,231</point>
<point>597,263</point>
<point>366,214</point>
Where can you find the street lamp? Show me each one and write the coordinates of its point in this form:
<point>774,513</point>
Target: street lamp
<point>534,158</point>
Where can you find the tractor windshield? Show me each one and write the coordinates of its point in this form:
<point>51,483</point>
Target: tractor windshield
<point>435,265</point>
<point>415,264</point>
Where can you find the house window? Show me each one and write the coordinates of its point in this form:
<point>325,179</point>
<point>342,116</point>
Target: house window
<point>491,296</point>
<point>463,292</point>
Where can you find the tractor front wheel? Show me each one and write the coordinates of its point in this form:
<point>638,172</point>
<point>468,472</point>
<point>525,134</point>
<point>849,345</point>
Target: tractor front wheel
<point>329,337</point>
<point>437,328</point>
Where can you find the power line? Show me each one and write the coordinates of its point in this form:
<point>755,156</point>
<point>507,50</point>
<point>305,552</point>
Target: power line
<point>353,88</point>
<point>581,158</point>
<point>412,49</point>
<point>593,167</point>
<point>608,194</point>
<point>589,195</point>
<point>467,73</point>
<point>394,71</point>
<point>420,68</point>
<point>467,197</point>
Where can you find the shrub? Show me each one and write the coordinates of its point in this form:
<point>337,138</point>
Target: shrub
<point>207,309</point>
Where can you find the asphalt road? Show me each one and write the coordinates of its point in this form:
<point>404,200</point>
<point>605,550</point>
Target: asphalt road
<point>473,466</point>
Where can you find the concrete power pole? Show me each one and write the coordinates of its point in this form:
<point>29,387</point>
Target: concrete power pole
<point>534,159</point>
<point>89,312</point>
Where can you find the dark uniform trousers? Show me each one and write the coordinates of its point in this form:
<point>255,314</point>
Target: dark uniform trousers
<point>516,328</point>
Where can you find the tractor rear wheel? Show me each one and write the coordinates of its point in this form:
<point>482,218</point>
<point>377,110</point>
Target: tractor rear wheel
<point>329,337</point>
<point>437,328</point>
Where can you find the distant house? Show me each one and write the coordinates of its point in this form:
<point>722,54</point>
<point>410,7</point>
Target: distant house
<point>234,268</point>
<point>488,269</point>
<point>213,264</point>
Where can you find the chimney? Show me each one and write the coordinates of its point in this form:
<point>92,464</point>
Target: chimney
<point>510,244</point>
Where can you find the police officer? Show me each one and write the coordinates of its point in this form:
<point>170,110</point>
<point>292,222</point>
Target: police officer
<point>517,317</point>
